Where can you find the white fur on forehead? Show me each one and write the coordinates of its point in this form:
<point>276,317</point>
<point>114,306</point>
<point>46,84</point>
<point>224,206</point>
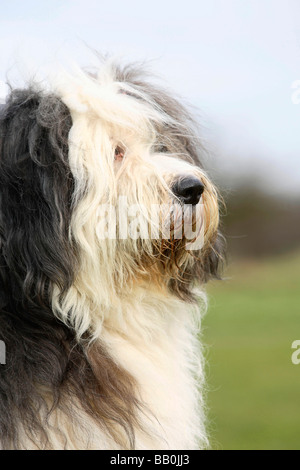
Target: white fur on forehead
<point>114,102</point>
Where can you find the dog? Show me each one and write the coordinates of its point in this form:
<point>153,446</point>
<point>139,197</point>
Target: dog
<point>99,319</point>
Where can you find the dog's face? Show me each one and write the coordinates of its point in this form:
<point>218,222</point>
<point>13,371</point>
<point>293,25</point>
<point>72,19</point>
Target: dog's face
<point>104,181</point>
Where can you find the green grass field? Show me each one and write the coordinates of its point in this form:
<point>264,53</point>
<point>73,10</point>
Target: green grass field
<point>253,387</point>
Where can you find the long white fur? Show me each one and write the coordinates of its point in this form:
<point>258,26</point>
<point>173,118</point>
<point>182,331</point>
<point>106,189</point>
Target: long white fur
<point>148,331</point>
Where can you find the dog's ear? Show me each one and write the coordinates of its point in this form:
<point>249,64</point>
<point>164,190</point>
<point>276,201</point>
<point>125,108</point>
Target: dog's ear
<point>35,196</point>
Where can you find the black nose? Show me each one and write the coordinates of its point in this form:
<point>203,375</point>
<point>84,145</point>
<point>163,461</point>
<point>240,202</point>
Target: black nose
<point>188,189</point>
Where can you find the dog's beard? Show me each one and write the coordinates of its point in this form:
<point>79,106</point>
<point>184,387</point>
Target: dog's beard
<point>187,223</point>
<point>177,250</point>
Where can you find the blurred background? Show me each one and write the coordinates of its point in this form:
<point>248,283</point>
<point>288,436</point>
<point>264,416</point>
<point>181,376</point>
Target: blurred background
<point>237,62</point>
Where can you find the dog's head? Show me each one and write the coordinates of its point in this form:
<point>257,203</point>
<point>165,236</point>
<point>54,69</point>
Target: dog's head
<point>101,189</point>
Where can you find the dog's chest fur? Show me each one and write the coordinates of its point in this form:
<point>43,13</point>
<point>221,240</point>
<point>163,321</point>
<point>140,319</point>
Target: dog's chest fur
<point>157,344</point>
<point>154,338</point>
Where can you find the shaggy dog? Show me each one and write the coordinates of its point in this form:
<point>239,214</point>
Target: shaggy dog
<point>99,319</point>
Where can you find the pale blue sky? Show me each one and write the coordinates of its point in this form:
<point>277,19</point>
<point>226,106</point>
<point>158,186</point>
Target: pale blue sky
<point>235,60</point>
